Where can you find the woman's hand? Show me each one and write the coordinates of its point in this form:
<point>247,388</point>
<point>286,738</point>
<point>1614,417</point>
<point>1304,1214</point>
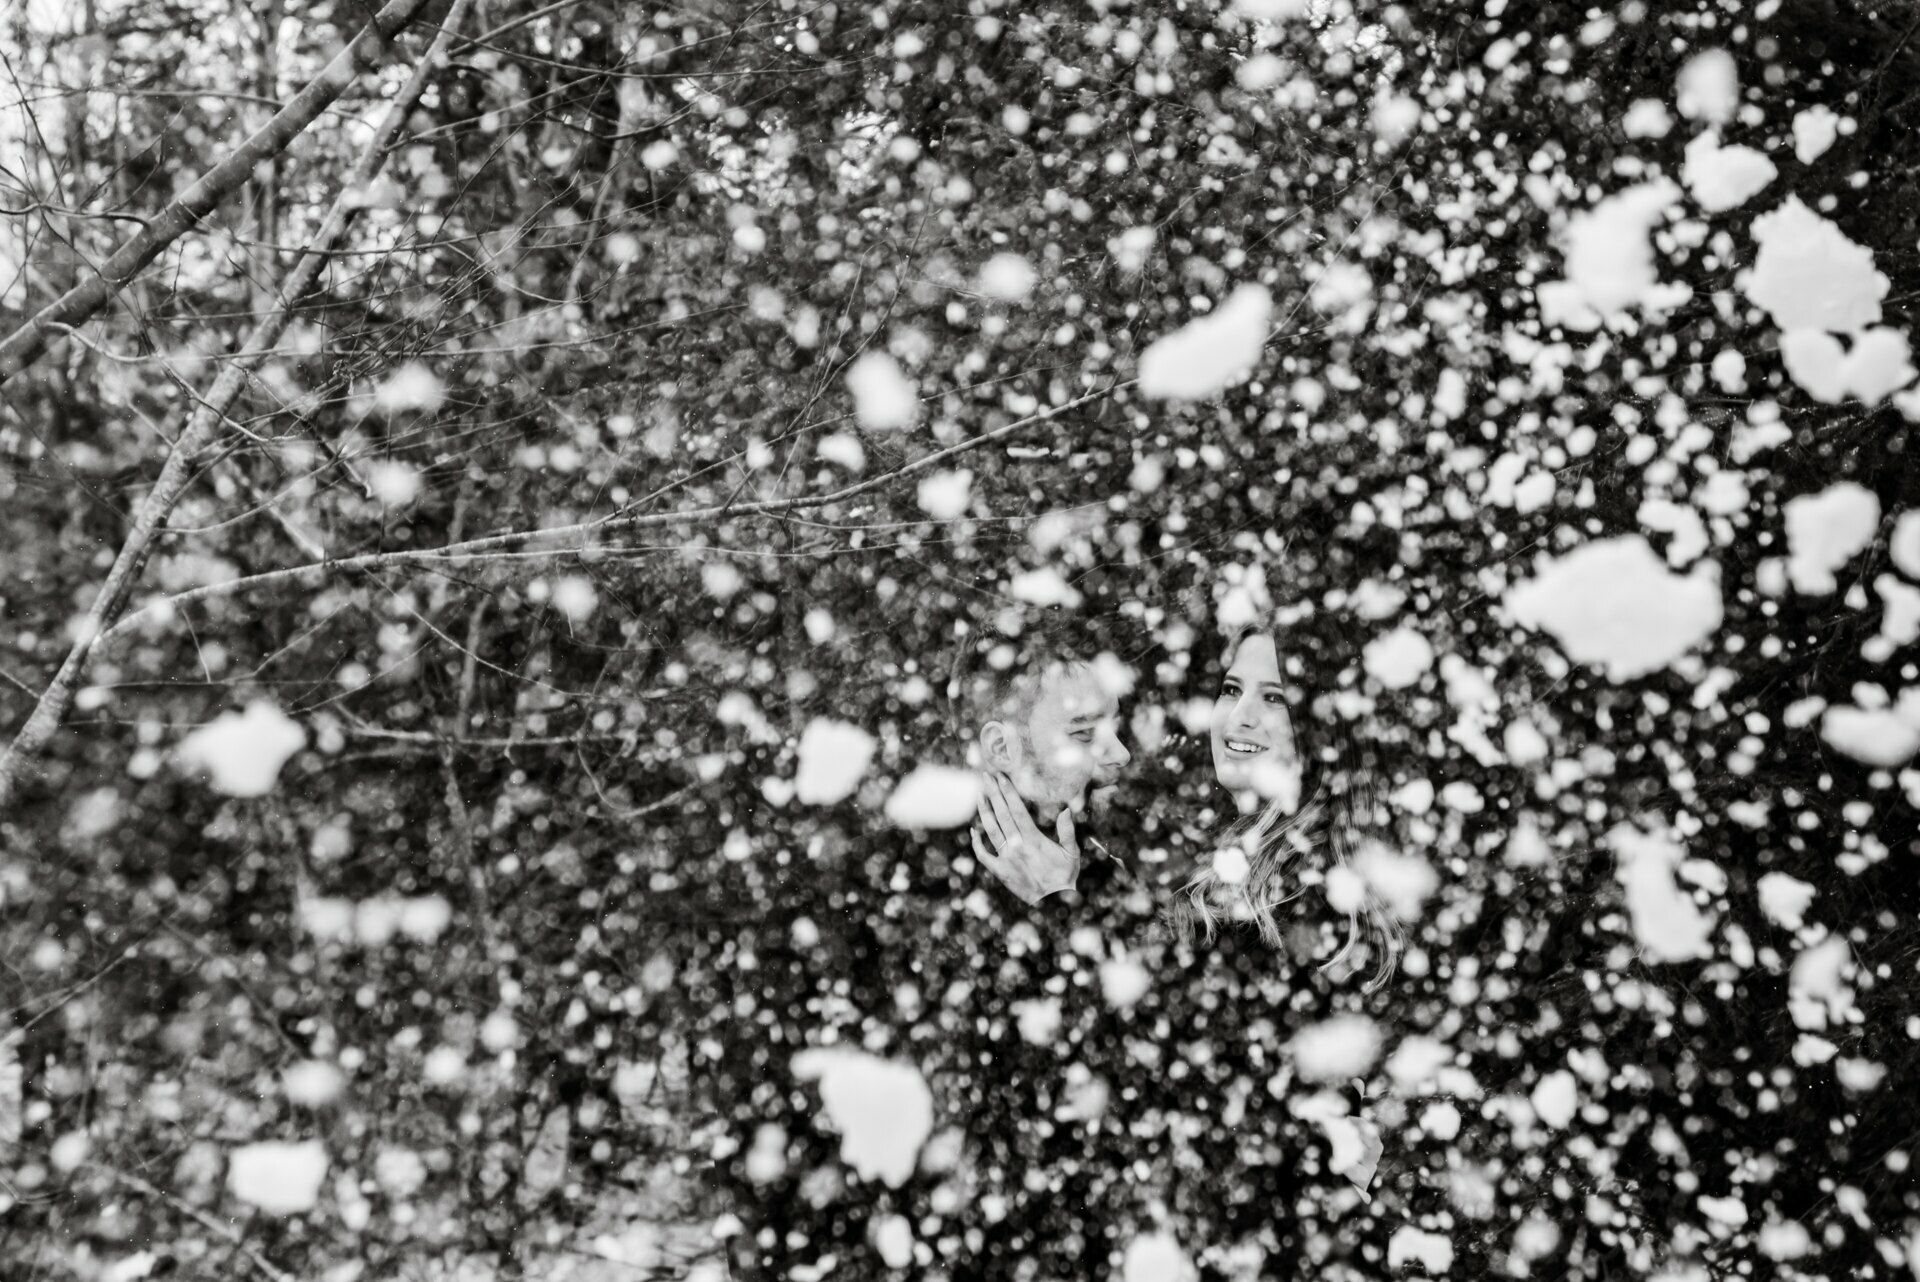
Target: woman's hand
<point>1031,864</point>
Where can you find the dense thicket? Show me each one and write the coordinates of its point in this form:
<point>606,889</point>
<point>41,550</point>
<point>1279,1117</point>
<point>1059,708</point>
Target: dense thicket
<point>556,436</point>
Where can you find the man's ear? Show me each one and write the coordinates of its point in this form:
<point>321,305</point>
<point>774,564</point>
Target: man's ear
<point>996,746</point>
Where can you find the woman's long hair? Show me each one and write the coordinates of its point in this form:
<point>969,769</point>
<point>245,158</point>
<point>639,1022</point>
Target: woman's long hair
<point>1341,808</point>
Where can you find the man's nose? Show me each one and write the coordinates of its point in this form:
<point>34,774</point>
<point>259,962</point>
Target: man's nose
<point>1113,753</point>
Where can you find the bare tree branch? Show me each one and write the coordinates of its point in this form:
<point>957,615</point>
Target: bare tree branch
<point>577,535</point>
<point>25,344</point>
<point>211,413</point>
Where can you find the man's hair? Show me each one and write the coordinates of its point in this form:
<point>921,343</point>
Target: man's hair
<point>1001,678</point>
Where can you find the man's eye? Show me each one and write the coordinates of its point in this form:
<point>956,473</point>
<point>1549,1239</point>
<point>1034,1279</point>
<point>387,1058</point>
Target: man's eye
<point>1084,736</point>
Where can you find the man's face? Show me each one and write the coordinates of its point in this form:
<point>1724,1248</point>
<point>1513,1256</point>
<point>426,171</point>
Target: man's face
<point>1072,740</point>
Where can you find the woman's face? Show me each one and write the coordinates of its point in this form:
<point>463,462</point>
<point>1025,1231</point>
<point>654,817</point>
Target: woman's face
<point>1252,733</point>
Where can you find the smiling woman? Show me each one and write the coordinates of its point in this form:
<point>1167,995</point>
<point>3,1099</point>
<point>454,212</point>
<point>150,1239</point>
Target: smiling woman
<point>1317,804</point>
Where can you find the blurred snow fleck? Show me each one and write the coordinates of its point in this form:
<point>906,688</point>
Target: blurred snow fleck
<point>575,597</point>
<point>1784,899</point>
<point>1873,368</point>
<point>1123,982</point>
<point>1884,737</point>
<point>1825,530</point>
<point>1038,1020</point>
<point>1730,1211</point>
<point>1395,115</point>
<point>893,1240</point>
<point>1007,278</point>
<point>843,449</point>
<point>1131,247</point>
<point>1813,132</point>
<point>1230,865</point>
<point>721,579</point>
<point>882,1109</point>
<point>1440,1120</point>
<point>944,495</point>
<point>278,1178</point>
<point>1410,1245</point>
<point>934,797</point>
<point>1157,1257</point>
<point>1555,1097</point>
<point>1403,882</point>
<point>1044,586</point>
<point>1903,545</point>
<point>1336,1049</point>
<point>1415,1061</point>
<point>1669,927</point>
<point>1816,993</point>
<point>1614,604</point>
<point>884,398</point>
<point>1708,87</point>
<point>1721,178</point>
<point>833,757</point>
<point>1808,275</point>
<point>394,484</point>
<point>1783,1240</point>
<point>1211,352</point>
<point>1398,659</point>
<point>312,1082</point>
<point>243,752</point>
<point>1609,259</point>
<point>411,387</point>
<point>1647,118</point>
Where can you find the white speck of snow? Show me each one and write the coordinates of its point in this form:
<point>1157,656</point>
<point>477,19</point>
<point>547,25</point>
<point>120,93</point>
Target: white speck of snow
<point>1730,371</point>
<point>658,155</point>
<point>1123,982</point>
<point>574,596</point>
<point>242,752</point>
<point>1708,87</point>
<point>1156,1257</point>
<point>1403,882</point>
<point>1873,368</point>
<point>944,495</point>
<point>394,484</point>
<point>1131,247</point>
<point>1825,531</point>
<point>1784,1240</point>
<point>1394,117</point>
<point>1336,1049</point>
<point>1730,1211</point>
<point>1813,132</point>
<point>1647,118</point>
<point>1038,1020</point>
<point>1816,994</point>
<point>411,387</point>
<point>934,797</point>
<point>893,1240</point>
<point>1555,1097</point>
<point>1268,11</point>
<point>1669,927</point>
<point>1007,278</point>
<point>882,1109</point>
<point>1410,1245</point>
<point>1883,737</point>
<point>312,1082</point>
<point>833,757</point>
<point>1808,275</point>
<point>1903,546</point>
<point>1784,899</point>
<point>1612,603</point>
<point>1415,1061</point>
<point>1609,258</point>
<point>1440,1120</point>
<point>278,1178</point>
<point>843,449</point>
<point>1689,532</point>
<point>1211,352</point>
<point>1044,586</point>
<point>1398,659</point>
<point>1722,178</point>
<point>1450,395</point>
<point>1230,864</point>
<point>884,398</point>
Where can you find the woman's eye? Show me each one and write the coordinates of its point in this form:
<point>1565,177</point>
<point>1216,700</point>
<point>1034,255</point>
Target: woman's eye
<point>1275,697</point>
